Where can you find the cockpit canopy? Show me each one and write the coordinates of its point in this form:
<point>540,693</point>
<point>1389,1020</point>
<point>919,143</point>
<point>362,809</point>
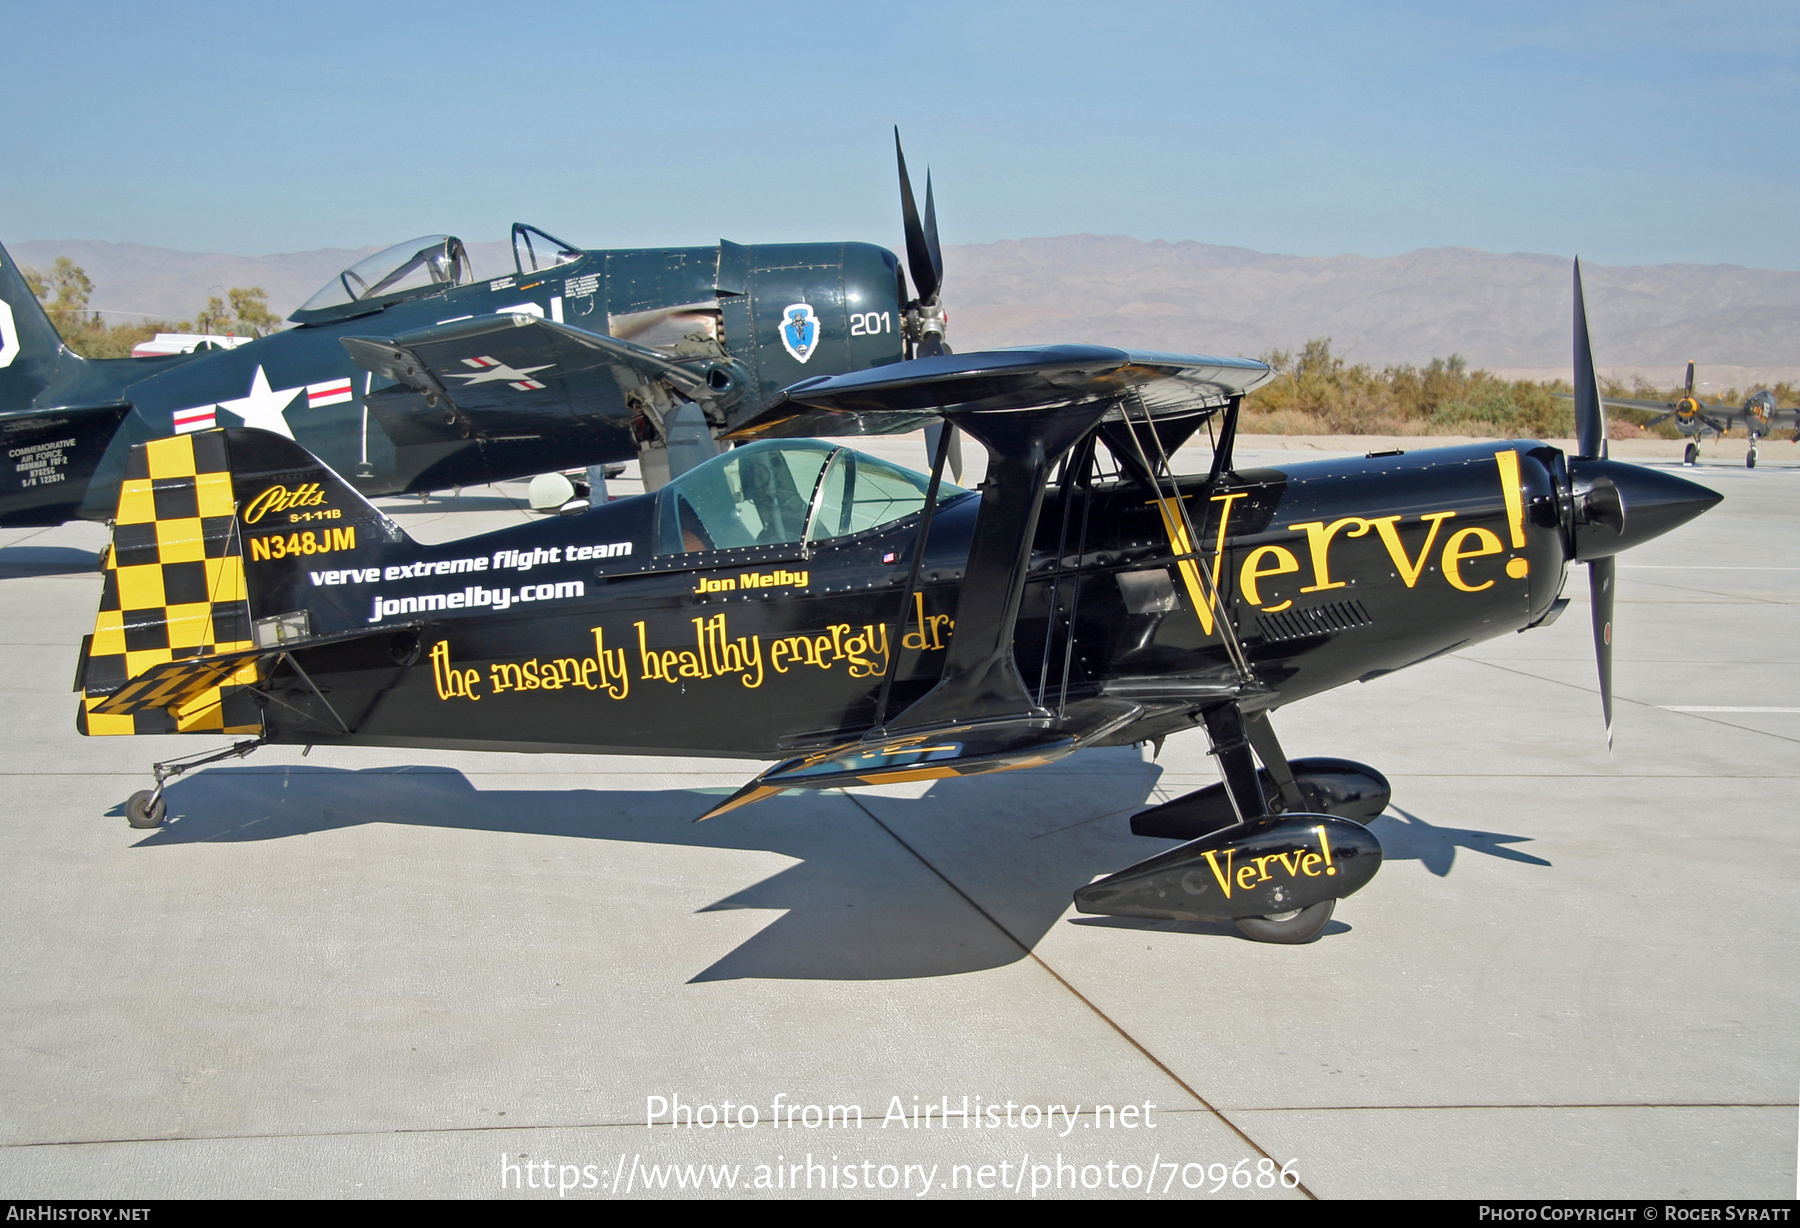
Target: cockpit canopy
<point>786,492</point>
<point>405,270</point>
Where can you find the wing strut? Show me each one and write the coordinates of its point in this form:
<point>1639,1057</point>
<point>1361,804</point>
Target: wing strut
<point>942,453</point>
<point>1159,473</point>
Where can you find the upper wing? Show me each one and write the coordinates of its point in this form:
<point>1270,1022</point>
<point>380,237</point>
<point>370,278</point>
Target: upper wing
<point>518,374</point>
<point>904,396</point>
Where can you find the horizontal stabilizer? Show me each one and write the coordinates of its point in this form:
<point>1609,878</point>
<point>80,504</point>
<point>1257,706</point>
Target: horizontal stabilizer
<point>906,395</point>
<point>973,749</point>
<point>173,685</point>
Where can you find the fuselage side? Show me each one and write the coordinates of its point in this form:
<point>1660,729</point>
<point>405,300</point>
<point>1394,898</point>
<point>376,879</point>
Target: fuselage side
<point>575,634</point>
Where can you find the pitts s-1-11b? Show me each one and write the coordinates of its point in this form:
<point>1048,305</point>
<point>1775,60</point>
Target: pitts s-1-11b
<point>404,373</point>
<point>796,600</point>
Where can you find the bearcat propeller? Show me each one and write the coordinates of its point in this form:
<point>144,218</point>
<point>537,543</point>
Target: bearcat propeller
<point>925,318</point>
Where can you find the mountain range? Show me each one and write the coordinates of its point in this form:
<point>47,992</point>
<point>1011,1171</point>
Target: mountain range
<point>1503,312</point>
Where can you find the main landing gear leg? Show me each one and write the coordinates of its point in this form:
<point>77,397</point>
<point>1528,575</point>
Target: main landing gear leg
<point>147,808</point>
<point>1270,850</point>
<point>1750,456</point>
<point>1234,736</point>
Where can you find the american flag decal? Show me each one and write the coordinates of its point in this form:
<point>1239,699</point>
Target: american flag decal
<point>199,418</point>
<point>334,392</point>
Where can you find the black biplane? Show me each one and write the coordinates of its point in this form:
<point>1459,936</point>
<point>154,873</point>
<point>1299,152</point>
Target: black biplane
<point>405,373</point>
<point>797,600</point>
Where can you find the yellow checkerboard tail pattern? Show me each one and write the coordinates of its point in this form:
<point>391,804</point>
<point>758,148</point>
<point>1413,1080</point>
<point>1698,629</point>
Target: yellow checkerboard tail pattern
<point>174,611</point>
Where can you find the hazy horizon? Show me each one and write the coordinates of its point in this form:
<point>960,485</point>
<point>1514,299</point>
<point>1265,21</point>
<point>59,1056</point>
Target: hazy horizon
<point>1634,132</point>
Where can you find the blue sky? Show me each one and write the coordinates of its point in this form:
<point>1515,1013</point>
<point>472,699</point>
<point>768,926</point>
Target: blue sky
<point>1638,133</point>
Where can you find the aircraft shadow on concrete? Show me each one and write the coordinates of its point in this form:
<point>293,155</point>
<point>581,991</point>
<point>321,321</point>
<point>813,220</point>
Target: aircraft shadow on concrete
<point>19,561</point>
<point>1410,838</point>
<point>855,906</point>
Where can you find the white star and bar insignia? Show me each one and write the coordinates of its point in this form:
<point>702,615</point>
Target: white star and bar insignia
<point>492,370</point>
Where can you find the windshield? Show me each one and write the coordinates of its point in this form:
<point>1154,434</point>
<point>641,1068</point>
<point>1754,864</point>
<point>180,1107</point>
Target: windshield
<point>534,251</point>
<point>785,491</point>
<point>414,267</point>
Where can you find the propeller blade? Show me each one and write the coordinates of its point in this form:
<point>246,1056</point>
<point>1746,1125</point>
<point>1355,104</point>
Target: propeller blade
<point>918,249</point>
<point>1690,377</point>
<point>1590,414</point>
<point>1600,591</point>
<point>931,235</point>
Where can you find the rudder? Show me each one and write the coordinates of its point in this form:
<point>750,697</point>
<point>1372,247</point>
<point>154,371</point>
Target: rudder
<point>32,353</point>
<point>173,592</point>
<point>205,579</point>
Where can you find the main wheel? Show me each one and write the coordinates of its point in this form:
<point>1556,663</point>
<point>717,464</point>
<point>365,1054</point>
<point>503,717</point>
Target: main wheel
<point>1691,456</point>
<point>141,812</point>
<point>1301,925</point>
<point>1750,459</point>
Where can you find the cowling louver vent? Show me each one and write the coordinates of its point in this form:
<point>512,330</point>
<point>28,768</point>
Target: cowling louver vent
<point>1324,619</point>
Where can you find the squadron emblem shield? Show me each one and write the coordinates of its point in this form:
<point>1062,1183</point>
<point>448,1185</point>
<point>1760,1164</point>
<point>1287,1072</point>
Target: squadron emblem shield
<point>799,330</point>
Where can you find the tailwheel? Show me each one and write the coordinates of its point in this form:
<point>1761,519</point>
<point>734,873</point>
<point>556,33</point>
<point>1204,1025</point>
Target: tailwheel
<point>1290,928</point>
<point>146,808</point>
<point>1692,455</point>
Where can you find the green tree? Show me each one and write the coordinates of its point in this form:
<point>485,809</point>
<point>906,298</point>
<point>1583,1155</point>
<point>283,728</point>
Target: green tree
<point>66,289</point>
<point>1315,392</point>
<point>251,307</point>
<point>215,319</point>
<point>68,308</point>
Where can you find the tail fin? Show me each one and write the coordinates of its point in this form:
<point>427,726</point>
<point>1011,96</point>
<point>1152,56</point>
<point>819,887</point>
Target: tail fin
<point>32,353</point>
<point>206,579</point>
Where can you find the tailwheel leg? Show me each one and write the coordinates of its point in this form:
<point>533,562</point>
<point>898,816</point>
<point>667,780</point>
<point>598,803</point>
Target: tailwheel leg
<point>147,808</point>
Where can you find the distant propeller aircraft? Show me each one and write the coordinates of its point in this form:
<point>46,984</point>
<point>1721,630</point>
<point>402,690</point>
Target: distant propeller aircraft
<point>406,374</point>
<point>1759,416</point>
<point>798,601</point>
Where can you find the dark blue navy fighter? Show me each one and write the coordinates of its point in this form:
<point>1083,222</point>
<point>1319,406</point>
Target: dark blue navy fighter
<point>406,373</point>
